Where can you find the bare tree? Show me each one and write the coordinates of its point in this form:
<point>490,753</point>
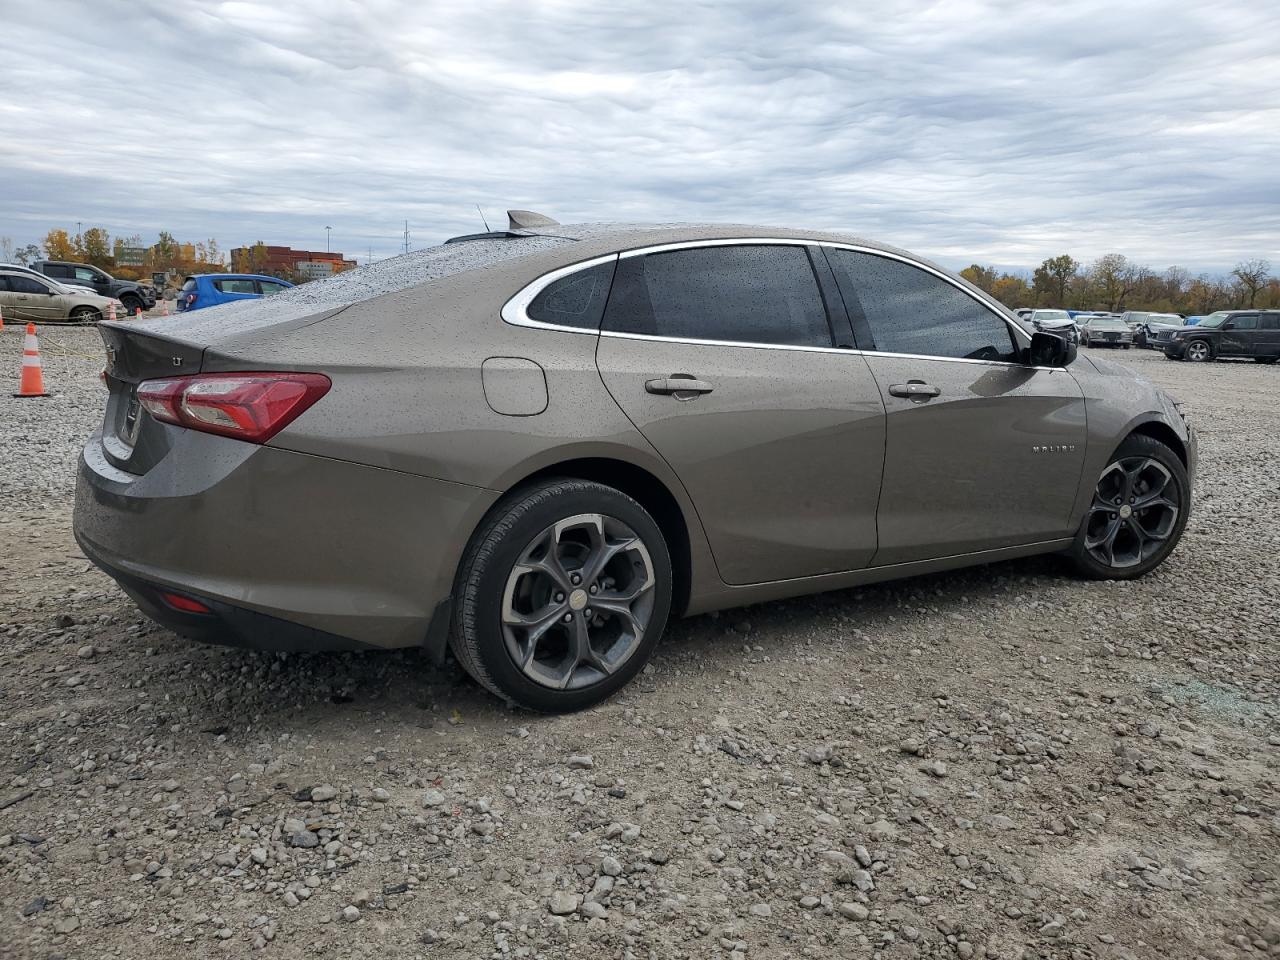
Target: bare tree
<point>1113,277</point>
<point>1252,275</point>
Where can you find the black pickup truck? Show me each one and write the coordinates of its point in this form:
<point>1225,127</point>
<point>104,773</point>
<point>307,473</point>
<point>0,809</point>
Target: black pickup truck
<point>134,296</point>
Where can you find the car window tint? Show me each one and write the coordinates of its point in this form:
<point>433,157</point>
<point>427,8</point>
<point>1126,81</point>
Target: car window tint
<point>268,288</point>
<point>1269,322</point>
<point>910,310</point>
<point>737,293</point>
<point>26,285</point>
<point>235,286</point>
<point>1247,322</point>
<point>575,300</point>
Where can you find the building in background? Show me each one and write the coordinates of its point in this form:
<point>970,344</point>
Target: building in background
<point>306,264</point>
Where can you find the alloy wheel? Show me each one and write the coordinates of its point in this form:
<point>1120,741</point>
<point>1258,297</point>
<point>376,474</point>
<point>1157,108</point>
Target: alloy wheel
<point>1135,508</point>
<point>1197,350</point>
<point>578,601</point>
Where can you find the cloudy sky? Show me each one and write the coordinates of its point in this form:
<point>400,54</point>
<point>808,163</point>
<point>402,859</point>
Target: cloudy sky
<point>996,132</point>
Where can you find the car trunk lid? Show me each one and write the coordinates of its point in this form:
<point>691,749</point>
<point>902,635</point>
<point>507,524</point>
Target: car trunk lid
<point>131,440</point>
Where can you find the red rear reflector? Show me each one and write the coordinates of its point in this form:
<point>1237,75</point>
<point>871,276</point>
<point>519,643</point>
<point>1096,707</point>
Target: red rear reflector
<point>247,406</point>
<point>184,604</point>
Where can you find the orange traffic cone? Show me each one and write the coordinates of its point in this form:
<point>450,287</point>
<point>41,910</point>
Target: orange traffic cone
<point>137,313</point>
<point>111,311</point>
<point>164,309</point>
<point>1,318</point>
<point>32,382</point>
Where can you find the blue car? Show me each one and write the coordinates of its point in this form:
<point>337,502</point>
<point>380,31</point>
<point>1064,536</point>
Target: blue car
<point>211,289</point>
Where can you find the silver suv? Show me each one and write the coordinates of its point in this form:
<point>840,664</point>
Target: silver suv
<point>536,446</point>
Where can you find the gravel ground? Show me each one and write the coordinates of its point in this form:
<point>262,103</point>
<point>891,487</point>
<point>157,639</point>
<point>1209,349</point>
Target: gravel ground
<point>1001,762</point>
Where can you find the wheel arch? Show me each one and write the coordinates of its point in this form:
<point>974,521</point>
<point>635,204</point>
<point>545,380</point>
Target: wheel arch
<point>650,492</point>
<point>1161,432</point>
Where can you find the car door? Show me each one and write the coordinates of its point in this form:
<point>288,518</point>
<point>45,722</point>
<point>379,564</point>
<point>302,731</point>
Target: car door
<point>1267,342</point>
<point>981,451</point>
<point>31,300</point>
<point>1236,335</point>
<point>721,354</point>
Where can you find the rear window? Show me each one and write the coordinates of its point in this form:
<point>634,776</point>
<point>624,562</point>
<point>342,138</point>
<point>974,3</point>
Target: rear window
<point>236,285</point>
<point>576,300</point>
<point>189,285</point>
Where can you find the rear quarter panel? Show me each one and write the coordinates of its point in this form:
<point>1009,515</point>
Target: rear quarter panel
<point>408,393</point>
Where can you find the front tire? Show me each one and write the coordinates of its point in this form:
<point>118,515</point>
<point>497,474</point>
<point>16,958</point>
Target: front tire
<point>1198,351</point>
<point>1139,509</point>
<point>132,305</point>
<point>561,595</point>
<point>85,315</point>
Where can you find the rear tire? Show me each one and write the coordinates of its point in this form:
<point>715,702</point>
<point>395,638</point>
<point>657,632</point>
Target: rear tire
<point>565,548</point>
<point>1128,539</point>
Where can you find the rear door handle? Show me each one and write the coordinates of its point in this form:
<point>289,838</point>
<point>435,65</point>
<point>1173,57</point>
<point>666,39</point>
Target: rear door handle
<point>676,385</point>
<point>916,390</point>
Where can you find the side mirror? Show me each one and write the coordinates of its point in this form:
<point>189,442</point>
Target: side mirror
<point>1229,325</point>
<point>1051,350</point>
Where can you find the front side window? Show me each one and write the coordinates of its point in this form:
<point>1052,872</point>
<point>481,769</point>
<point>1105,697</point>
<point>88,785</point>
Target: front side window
<point>84,273</point>
<point>576,300</point>
<point>1247,322</point>
<point>268,288</point>
<point>26,285</point>
<point>909,310</point>
<point>739,293</point>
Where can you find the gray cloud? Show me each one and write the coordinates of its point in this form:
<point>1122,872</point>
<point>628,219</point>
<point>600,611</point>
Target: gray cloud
<point>1001,132</point>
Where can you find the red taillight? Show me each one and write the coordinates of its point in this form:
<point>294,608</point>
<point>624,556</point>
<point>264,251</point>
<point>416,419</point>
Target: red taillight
<point>191,298</point>
<point>247,406</point>
<point>184,604</point>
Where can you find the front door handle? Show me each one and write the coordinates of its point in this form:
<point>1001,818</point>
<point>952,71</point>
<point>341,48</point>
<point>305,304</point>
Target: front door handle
<point>916,390</point>
<point>677,385</point>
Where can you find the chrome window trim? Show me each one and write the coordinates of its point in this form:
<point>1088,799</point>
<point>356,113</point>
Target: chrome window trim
<point>615,335</point>
<point>514,311</point>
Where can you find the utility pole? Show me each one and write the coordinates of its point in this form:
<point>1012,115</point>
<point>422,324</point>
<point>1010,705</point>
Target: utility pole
<point>406,236</point>
<point>326,238</point>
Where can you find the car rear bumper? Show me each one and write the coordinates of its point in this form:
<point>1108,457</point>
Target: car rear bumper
<point>288,551</point>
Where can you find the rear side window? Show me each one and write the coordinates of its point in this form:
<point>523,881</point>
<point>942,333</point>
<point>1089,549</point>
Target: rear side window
<point>736,293</point>
<point>235,286</point>
<point>576,300</point>
<point>909,310</point>
<point>56,270</point>
<point>1269,322</point>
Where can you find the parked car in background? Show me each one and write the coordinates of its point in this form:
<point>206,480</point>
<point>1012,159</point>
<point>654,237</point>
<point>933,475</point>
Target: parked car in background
<point>31,297</point>
<point>1054,321</point>
<point>1228,333</point>
<point>537,447</point>
<point>1105,332</point>
<point>210,289</point>
<point>134,296</point>
<point>1146,332</point>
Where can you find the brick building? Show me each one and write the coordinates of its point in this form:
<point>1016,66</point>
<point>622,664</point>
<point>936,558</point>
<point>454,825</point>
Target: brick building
<point>307,263</point>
